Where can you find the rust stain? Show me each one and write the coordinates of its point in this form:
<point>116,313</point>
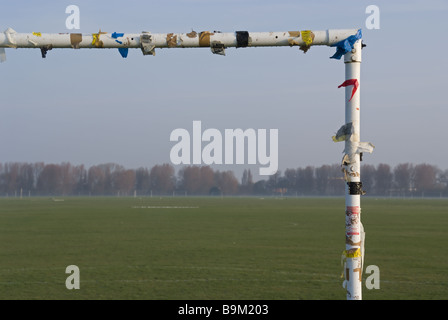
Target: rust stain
<point>171,40</point>
<point>294,34</point>
<point>204,38</point>
<point>192,34</point>
<point>75,40</point>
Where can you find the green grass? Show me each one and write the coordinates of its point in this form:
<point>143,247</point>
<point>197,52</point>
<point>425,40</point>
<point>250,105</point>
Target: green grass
<point>217,248</point>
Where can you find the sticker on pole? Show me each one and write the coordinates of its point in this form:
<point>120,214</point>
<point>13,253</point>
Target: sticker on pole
<point>352,220</point>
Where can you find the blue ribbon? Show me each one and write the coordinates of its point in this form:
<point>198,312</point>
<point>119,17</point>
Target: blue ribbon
<point>116,36</point>
<point>346,45</point>
<point>123,52</point>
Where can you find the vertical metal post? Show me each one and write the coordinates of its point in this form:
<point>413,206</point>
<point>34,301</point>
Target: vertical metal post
<point>353,189</point>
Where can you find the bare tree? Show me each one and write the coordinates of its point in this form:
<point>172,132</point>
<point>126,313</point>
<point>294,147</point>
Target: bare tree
<point>336,181</point>
<point>305,181</point>
<point>383,179</point>
<point>247,182</point>
<point>189,179</point>
<point>162,179</point>
<point>50,180</point>
<point>113,179</point>
<point>125,182</point>
<point>322,175</point>
<point>227,182</point>
<point>368,174</point>
<point>96,181</point>
<point>425,177</point>
<point>207,179</point>
<point>403,177</point>
<point>142,182</point>
<point>291,179</point>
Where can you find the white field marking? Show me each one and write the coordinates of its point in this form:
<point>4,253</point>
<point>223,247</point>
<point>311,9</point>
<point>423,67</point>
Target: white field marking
<point>163,207</point>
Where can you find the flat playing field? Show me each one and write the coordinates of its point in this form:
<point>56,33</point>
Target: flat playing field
<point>217,248</point>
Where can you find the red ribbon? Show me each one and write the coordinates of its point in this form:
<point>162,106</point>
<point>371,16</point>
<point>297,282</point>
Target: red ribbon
<point>351,82</point>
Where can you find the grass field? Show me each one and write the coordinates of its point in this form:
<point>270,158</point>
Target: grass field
<point>217,248</point>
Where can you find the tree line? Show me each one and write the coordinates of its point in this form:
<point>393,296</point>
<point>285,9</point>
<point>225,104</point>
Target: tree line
<point>111,179</point>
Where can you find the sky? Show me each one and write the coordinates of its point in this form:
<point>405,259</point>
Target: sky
<point>92,106</point>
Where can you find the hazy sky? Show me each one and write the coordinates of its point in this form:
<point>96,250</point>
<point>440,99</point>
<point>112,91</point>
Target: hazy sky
<point>92,106</point>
